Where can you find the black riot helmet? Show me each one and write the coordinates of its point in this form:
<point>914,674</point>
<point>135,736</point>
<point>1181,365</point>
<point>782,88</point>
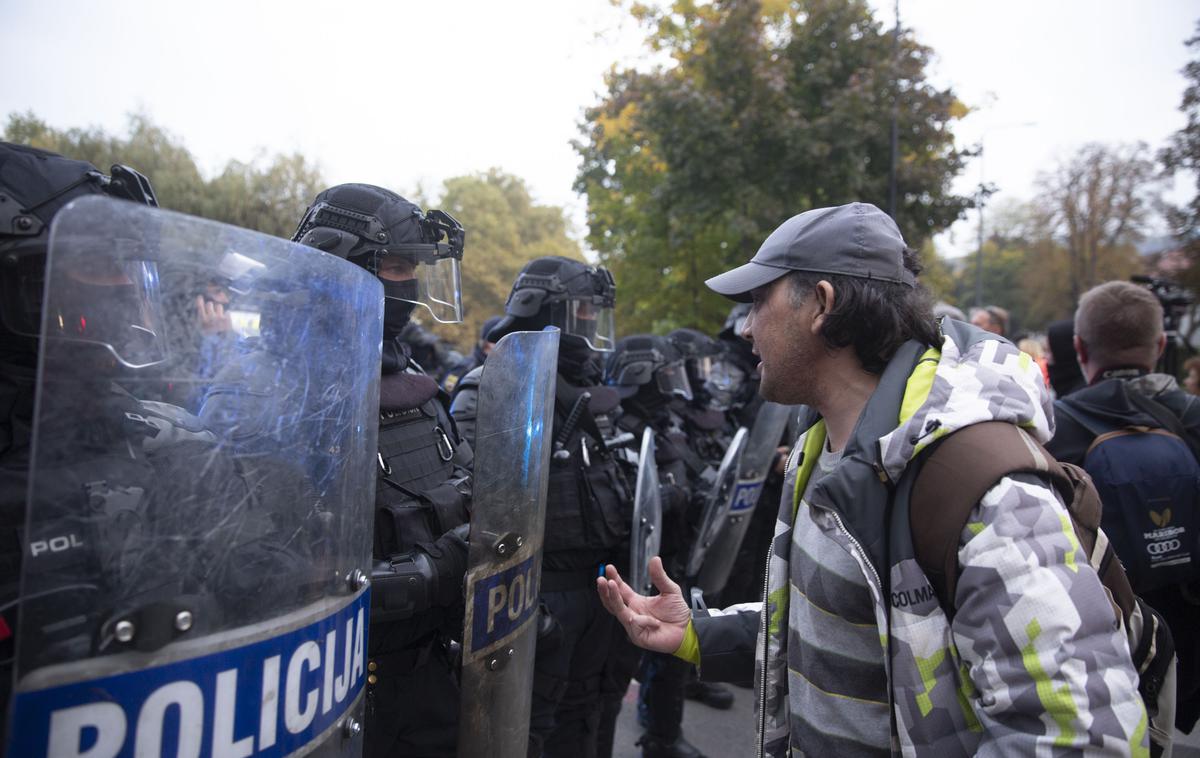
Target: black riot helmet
<point>736,320</point>
<point>34,186</point>
<point>415,254</point>
<point>574,296</point>
<point>647,360</point>
<point>715,376</point>
<point>737,346</point>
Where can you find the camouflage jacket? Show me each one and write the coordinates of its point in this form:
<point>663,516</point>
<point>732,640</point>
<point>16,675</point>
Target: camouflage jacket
<point>1032,663</point>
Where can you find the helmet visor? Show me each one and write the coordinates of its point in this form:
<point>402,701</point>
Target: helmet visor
<point>587,319</point>
<point>438,282</point>
<point>722,383</point>
<point>672,380</point>
<point>108,301</point>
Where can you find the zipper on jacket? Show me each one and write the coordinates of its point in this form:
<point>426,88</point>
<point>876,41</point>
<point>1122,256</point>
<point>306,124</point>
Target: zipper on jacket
<point>887,658</point>
<point>857,546</point>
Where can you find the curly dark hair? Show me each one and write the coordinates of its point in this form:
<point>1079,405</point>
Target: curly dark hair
<point>873,316</point>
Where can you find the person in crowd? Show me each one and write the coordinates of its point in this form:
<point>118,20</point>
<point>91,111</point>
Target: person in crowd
<point>1191,375</point>
<point>1065,376</point>
<point>1032,347</point>
<point>420,552</point>
<point>942,308</point>
<point>1030,660</point>
<point>1137,434</point>
<point>991,318</point>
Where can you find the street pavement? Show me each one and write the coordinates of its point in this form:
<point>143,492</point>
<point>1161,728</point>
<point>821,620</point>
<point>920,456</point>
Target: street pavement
<point>717,733</point>
<point>721,734</point>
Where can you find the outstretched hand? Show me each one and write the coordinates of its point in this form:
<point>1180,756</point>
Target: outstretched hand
<point>655,623</point>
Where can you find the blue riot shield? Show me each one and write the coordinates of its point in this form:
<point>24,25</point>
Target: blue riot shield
<point>512,463</point>
<point>645,536</point>
<point>195,583</point>
<point>761,445</point>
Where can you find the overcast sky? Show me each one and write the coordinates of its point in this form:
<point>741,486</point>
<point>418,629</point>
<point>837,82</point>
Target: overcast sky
<point>406,94</point>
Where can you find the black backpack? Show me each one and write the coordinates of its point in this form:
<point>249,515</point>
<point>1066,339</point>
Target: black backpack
<point>1149,482</point>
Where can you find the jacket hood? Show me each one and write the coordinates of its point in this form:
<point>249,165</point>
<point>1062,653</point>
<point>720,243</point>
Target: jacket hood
<point>1108,401</point>
<point>977,376</point>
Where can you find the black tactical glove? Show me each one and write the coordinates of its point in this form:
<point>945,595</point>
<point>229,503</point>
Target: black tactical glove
<point>448,554</point>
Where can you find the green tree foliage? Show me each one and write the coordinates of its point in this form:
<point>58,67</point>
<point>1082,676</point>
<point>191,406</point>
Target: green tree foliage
<point>505,229</point>
<point>267,195</point>
<point>937,274</point>
<point>766,109</point>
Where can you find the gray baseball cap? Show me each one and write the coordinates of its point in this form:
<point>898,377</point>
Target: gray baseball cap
<point>856,239</point>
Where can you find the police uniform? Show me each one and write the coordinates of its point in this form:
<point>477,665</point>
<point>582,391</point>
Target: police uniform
<point>35,185</point>
<point>420,498</point>
<point>423,487</point>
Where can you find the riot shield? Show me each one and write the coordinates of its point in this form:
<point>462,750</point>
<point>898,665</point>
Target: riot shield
<point>193,588</point>
<point>645,537</point>
<point>512,462</point>
<point>716,506</point>
<point>761,445</point>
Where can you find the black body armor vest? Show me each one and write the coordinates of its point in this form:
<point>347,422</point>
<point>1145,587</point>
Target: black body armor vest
<point>416,499</point>
<point>589,503</point>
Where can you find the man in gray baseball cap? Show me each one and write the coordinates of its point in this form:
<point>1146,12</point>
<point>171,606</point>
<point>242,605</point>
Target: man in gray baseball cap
<point>856,239</point>
<point>853,651</point>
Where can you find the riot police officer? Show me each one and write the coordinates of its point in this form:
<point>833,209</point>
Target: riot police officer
<point>746,577</point>
<point>737,350</point>
<point>588,499</point>
<point>708,427</point>
<point>34,186</point>
<point>648,372</point>
<point>422,490</point>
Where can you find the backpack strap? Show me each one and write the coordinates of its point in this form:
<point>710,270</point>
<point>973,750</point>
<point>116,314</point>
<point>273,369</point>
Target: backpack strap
<point>1166,419</point>
<point>957,472</point>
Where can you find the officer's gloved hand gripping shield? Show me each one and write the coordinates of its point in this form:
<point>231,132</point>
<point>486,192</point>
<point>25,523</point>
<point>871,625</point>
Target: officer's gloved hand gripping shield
<point>512,462</point>
<point>194,579</point>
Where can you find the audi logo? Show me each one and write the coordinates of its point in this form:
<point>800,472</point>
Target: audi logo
<point>1166,546</point>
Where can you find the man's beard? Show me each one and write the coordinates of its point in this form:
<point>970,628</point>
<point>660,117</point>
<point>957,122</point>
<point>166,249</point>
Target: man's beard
<point>793,381</point>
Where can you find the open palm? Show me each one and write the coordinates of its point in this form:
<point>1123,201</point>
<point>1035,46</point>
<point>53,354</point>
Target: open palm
<point>655,623</point>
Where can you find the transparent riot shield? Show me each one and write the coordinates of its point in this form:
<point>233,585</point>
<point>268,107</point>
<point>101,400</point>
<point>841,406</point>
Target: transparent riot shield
<point>194,583</point>
<point>646,532</point>
<point>716,506</point>
<point>761,446</point>
<point>512,462</point>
